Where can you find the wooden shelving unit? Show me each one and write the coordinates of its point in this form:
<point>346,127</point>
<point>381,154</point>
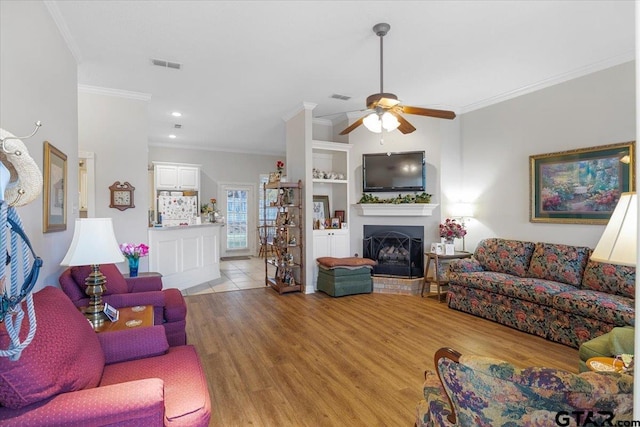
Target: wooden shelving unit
<point>286,259</point>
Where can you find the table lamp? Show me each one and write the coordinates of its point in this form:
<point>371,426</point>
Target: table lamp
<point>618,243</point>
<point>94,243</point>
<point>463,211</point>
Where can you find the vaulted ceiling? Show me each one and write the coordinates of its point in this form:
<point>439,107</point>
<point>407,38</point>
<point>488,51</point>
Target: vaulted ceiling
<point>246,64</point>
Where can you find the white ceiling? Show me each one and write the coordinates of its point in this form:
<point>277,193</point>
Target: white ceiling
<point>247,64</point>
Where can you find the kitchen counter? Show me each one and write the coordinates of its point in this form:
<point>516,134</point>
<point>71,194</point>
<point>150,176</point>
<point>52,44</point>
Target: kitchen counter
<point>185,255</point>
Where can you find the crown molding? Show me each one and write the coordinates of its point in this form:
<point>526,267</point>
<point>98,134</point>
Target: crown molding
<point>216,149</point>
<point>54,11</point>
<point>580,72</point>
<point>303,106</point>
<point>96,90</point>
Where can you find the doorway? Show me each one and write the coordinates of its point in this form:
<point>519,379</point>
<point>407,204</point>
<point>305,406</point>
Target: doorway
<point>237,206</point>
<point>87,184</point>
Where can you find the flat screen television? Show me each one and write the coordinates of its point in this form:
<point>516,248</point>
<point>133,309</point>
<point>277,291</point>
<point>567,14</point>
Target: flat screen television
<point>393,171</point>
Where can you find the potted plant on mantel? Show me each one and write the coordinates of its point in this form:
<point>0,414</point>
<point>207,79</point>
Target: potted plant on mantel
<point>409,198</point>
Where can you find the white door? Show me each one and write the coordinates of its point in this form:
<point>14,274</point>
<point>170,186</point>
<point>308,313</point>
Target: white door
<point>239,210</point>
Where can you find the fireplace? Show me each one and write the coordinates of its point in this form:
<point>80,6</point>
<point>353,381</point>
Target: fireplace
<point>397,248</point>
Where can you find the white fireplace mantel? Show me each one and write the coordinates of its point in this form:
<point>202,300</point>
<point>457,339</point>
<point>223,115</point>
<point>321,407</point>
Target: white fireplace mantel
<point>390,209</point>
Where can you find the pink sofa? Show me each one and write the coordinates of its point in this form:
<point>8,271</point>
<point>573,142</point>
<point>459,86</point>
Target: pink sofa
<point>71,376</point>
<point>169,307</point>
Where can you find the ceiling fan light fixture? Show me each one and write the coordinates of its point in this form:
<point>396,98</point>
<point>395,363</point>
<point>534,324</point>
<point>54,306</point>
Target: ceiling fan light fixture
<point>389,122</point>
<point>375,124</point>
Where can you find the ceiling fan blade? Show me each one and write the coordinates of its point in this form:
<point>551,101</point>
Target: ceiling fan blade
<point>405,127</point>
<point>440,114</point>
<point>352,126</point>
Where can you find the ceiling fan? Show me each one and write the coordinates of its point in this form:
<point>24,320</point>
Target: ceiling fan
<point>386,108</point>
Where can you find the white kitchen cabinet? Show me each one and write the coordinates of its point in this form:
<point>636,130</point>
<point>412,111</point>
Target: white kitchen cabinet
<point>329,242</point>
<point>177,177</point>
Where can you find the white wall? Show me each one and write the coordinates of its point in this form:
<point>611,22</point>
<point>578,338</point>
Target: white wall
<point>594,110</point>
<point>38,81</point>
<point>115,128</point>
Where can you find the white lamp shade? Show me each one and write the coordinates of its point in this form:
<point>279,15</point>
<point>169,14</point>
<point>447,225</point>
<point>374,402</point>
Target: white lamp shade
<point>94,242</point>
<point>462,210</point>
<point>618,244</point>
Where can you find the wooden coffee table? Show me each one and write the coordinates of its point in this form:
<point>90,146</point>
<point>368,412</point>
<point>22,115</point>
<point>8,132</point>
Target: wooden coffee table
<point>140,316</point>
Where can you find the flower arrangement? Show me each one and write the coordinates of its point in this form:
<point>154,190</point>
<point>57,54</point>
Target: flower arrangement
<point>280,166</point>
<point>131,251</point>
<point>452,230</point>
<point>207,208</point>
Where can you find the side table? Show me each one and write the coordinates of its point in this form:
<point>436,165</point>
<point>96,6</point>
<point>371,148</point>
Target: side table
<point>437,276</point>
<point>140,316</point>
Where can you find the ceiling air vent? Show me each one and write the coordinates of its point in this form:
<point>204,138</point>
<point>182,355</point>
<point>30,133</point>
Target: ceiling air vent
<point>166,64</point>
<point>177,126</point>
<point>340,97</point>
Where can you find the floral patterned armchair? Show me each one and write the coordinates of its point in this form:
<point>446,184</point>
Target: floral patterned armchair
<point>481,391</point>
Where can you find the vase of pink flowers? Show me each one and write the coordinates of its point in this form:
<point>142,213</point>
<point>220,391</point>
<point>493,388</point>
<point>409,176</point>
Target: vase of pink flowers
<point>451,229</point>
<point>133,253</point>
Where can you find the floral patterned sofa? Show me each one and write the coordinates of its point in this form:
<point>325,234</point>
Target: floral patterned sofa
<point>551,290</point>
<point>470,390</point>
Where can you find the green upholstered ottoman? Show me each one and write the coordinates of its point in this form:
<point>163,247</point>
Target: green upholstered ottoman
<point>615,342</point>
<point>340,281</point>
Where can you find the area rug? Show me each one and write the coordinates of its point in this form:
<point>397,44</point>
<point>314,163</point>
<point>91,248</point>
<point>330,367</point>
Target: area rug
<point>234,258</point>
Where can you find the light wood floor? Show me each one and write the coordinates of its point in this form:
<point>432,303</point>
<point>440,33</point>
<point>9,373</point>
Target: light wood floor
<point>313,360</point>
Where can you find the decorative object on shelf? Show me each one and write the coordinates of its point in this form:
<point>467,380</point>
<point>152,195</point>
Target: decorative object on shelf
<point>280,166</point>
<point>274,177</point>
<point>321,208</point>
<point>55,191</point>
<point>580,186</point>
<point>133,253</point>
<point>335,222</point>
<point>121,196</point>
<point>318,174</point>
<point>93,243</point>
<point>340,215</point>
<point>409,198</point>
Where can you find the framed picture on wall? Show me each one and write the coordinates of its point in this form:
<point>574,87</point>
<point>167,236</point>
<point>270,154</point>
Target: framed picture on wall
<point>580,186</point>
<point>54,217</point>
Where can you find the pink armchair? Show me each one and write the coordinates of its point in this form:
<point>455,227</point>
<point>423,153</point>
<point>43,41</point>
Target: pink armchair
<point>169,307</point>
<point>71,376</point>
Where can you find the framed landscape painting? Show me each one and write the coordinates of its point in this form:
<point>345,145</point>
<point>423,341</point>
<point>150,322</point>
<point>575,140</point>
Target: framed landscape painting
<point>580,186</point>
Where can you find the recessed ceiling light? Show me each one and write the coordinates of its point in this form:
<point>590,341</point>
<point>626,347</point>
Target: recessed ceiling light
<point>172,136</point>
<point>176,114</point>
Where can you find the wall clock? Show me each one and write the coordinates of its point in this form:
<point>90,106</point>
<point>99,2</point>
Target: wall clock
<point>121,196</point>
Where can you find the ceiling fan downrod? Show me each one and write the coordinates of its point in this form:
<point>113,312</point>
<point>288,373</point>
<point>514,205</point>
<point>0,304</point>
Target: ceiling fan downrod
<point>381,30</point>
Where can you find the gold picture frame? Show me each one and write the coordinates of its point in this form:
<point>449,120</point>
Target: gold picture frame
<point>580,186</point>
<point>54,217</point>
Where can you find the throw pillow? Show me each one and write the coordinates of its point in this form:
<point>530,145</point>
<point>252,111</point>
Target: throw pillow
<point>560,263</point>
<point>65,354</point>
